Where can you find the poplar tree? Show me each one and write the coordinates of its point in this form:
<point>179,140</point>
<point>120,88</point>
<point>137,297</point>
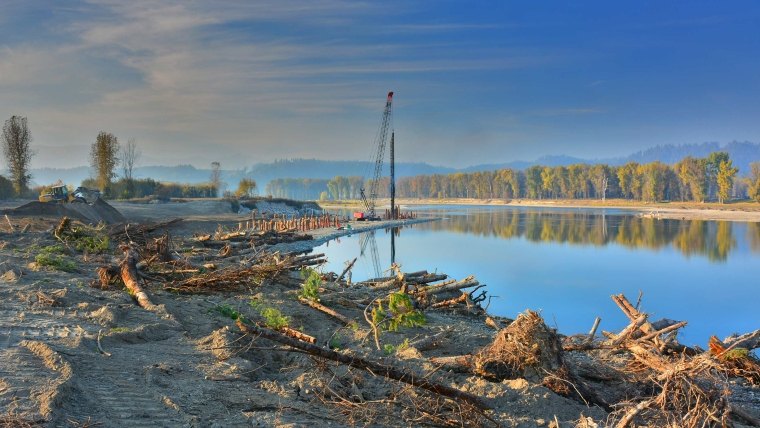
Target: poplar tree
<point>104,159</point>
<point>725,179</point>
<point>15,139</point>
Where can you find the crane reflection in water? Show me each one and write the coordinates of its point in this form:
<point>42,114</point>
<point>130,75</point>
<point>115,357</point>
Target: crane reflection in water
<point>368,249</point>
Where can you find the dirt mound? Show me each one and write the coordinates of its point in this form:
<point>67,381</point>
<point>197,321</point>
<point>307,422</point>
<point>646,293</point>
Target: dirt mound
<point>98,211</point>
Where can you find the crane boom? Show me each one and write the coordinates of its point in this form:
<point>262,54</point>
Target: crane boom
<point>379,143</point>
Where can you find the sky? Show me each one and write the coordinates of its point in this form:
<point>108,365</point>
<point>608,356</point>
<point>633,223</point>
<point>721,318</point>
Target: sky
<point>242,82</point>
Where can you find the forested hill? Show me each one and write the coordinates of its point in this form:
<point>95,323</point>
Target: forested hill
<point>315,168</point>
<point>262,173</point>
<point>742,153</point>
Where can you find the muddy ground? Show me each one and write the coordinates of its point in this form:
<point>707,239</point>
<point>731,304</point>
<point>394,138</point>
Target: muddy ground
<point>189,365</point>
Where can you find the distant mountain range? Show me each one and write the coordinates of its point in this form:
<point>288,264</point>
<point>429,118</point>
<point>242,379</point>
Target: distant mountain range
<point>742,154</point>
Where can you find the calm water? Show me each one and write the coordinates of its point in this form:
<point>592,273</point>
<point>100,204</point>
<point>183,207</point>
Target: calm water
<point>567,263</point>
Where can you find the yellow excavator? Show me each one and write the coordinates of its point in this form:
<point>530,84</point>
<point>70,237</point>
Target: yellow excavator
<point>59,193</point>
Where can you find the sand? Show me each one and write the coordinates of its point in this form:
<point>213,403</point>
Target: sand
<point>188,365</point>
<point>735,211</point>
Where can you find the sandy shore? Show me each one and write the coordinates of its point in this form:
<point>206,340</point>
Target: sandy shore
<point>77,352</point>
<point>736,211</point>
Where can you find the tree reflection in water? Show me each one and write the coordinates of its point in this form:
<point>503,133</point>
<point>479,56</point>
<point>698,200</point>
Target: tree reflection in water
<point>713,239</point>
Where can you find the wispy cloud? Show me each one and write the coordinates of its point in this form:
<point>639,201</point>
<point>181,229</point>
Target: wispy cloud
<point>258,80</point>
<point>568,111</point>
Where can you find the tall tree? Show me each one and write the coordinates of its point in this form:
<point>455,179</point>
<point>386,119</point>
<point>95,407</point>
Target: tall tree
<point>712,165</point>
<point>654,182</point>
<point>129,156</point>
<point>725,179</point>
<point>16,138</point>
<point>627,177</point>
<point>693,173</point>
<point>216,177</point>
<point>600,177</point>
<point>104,159</point>
<point>754,181</point>
<point>534,182</point>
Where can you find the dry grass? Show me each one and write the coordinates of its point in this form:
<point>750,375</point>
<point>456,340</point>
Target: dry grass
<point>689,392</point>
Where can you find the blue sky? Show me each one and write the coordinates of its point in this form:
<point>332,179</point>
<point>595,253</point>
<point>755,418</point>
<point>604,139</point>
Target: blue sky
<point>476,82</point>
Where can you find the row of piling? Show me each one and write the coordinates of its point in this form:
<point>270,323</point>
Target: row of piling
<point>281,224</point>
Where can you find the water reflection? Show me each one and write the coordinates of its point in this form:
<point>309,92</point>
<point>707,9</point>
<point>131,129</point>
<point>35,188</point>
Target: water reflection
<point>567,262</point>
<point>753,236</point>
<point>712,239</point>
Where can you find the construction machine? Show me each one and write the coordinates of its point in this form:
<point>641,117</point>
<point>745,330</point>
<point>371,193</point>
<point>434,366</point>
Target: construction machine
<point>377,162</point>
<point>59,193</point>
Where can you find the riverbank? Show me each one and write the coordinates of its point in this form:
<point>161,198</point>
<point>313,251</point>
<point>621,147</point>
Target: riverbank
<point>76,349</point>
<point>733,211</point>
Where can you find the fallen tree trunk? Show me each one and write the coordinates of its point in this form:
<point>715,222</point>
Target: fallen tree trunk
<point>129,275</point>
<point>287,331</point>
<point>468,282</point>
<point>450,302</point>
<point>364,364</point>
<point>322,308</point>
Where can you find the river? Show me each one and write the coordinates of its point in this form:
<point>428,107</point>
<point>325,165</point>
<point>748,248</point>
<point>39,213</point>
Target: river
<point>567,262</point>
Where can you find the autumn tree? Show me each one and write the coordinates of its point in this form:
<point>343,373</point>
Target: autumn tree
<point>104,159</point>
<point>16,139</point>
<point>725,179</point>
<point>246,187</point>
<point>629,180</point>
<point>693,174</point>
<point>754,181</point>
<point>712,167</point>
<point>534,182</point>
<point>655,181</point>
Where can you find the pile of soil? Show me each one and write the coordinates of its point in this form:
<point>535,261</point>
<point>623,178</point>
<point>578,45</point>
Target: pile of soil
<point>97,212</point>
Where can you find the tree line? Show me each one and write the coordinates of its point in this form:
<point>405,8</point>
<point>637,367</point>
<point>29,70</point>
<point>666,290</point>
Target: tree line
<point>106,156</point>
<point>691,179</point>
<point>712,178</point>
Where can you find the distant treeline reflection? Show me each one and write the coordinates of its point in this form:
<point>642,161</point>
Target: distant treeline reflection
<point>713,239</point>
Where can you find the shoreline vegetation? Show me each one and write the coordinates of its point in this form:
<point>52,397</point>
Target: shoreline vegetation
<point>742,211</point>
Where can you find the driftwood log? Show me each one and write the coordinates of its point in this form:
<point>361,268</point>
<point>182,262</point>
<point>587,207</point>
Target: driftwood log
<point>345,271</point>
<point>372,367</point>
<point>129,275</point>
<point>322,308</point>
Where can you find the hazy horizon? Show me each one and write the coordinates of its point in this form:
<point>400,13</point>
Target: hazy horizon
<point>244,83</point>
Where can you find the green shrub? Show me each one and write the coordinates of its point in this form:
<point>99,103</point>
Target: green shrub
<point>736,354</point>
<point>92,244</point>
<point>228,312</point>
<point>400,313</point>
<point>311,284</point>
<point>52,256</point>
<point>403,313</point>
<point>274,319</point>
